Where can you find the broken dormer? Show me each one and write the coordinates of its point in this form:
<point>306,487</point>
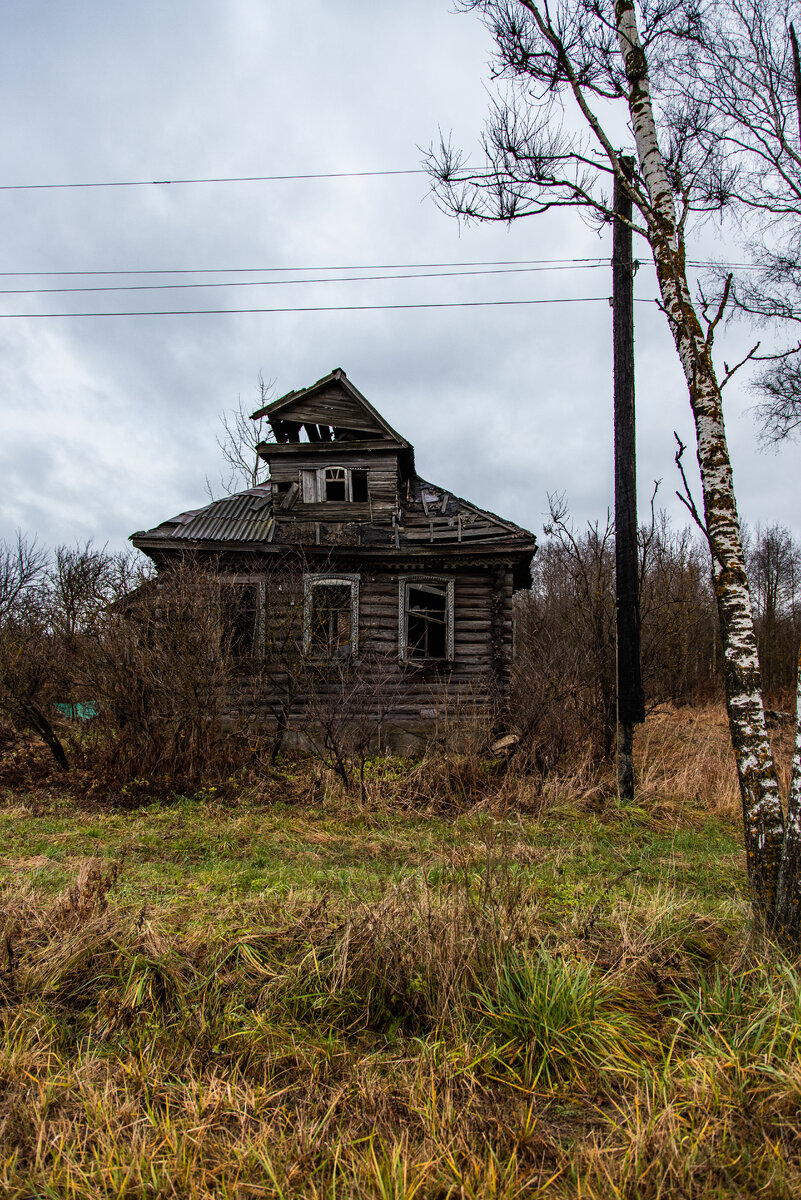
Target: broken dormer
<point>334,458</point>
<point>408,584</point>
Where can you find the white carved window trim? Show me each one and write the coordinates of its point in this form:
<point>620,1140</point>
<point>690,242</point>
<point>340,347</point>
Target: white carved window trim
<point>310,582</point>
<point>444,582</point>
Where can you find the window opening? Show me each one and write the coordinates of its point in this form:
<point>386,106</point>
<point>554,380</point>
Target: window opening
<point>426,620</point>
<point>336,483</point>
<point>331,616</point>
<point>241,604</point>
<point>358,483</point>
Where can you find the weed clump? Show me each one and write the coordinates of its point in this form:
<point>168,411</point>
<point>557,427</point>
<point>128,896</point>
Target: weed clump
<point>554,1020</point>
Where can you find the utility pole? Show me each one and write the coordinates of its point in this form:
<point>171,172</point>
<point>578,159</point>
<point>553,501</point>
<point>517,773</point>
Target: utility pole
<point>630,696</point>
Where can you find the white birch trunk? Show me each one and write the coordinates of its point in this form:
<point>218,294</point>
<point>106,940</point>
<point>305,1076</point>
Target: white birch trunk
<point>788,906</point>
<point>762,810</point>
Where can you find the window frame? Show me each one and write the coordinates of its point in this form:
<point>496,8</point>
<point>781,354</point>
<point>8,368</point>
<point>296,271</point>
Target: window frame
<point>444,583</point>
<point>313,482</point>
<point>230,585</point>
<point>313,581</point>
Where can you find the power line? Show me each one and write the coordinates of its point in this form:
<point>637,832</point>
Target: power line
<point>544,263</point>
<point>197,312</point>
<point>157,287</point>
<point>510,262</point>
<point>125,183</point>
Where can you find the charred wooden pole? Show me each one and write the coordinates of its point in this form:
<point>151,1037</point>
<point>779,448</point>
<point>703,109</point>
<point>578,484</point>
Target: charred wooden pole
<point>630,697</point>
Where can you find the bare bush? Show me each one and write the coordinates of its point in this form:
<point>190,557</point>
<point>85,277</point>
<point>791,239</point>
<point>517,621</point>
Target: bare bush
<point>32,667</point>
<point>160,669</point>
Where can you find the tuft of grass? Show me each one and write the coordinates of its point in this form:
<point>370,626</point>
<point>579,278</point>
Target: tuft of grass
<point>555,1021</point>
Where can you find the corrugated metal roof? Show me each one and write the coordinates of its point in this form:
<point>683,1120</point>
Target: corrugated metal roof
<point>245,517</point>
<point>226,528</point>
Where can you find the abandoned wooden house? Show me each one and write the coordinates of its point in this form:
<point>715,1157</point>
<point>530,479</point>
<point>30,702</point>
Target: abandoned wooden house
<point>394,581</point>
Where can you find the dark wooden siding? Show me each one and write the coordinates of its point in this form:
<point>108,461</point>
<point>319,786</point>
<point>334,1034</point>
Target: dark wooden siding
<point>415,696</point>
<point>332,407</point>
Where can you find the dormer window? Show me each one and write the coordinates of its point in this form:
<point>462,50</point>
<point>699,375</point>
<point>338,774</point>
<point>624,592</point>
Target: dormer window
<point>335,483</point>
<point>342,485</point>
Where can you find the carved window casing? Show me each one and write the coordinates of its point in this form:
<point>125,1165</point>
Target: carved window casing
<point>331,616</point>
<point>425,619</point>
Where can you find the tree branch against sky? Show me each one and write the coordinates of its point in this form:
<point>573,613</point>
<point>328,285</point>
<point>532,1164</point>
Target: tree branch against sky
<point>739,79</point>
<point>582,76</point>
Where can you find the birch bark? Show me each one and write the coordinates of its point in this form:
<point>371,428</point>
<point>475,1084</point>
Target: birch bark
<point>762,810</point>
<point>788,905</point>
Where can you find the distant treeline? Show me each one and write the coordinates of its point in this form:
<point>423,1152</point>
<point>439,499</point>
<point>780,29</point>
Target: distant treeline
<point>565,664</point>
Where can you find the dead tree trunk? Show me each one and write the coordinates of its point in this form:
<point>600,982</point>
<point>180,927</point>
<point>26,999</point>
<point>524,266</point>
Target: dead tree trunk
<point>630,698</point>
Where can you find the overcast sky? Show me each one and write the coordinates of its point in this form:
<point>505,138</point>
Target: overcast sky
<point>109,424</point>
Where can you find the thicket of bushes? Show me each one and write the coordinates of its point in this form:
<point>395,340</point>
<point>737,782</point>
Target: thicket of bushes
<point>85,632</point>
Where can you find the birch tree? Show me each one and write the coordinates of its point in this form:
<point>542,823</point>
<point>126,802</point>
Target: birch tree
<point>581,75</point>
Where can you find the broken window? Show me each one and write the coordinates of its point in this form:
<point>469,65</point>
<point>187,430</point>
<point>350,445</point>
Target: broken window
<point>426,619</point>
<point>331,615</point>
<point>358,486</point>
<point>242,605</point>
<point>334,484</point>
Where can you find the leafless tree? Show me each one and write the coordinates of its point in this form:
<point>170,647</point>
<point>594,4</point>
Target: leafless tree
<point>564,672</point>
<point>158,666</point>
<point>238,441</point>
<point>348,702</point>
<point>679,622</point>
<point>579,72</point>
<point>736,94</point>
<point>773,558</point>
<point>31,666</point>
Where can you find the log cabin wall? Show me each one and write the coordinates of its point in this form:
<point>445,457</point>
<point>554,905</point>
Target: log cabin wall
<point>412,697</point>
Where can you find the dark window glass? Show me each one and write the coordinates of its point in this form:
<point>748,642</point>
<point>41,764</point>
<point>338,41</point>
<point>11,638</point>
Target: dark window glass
<point>331,617</point>
<point>426,622</point>
<point>335,484</point>
<point>358,483</point>
<point>240,610</point>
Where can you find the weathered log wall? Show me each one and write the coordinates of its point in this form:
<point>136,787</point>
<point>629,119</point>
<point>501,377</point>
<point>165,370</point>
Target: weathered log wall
<point>403,697</point>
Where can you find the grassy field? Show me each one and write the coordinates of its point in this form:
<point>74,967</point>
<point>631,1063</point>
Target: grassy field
<point>469,983</point>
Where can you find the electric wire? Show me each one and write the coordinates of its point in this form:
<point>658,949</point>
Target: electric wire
<point>193,312</point>
<point>510,262</point>
<point>157,287</point>
<point>544,263</point>
<point>489,267</point>
<point>132,183</point>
